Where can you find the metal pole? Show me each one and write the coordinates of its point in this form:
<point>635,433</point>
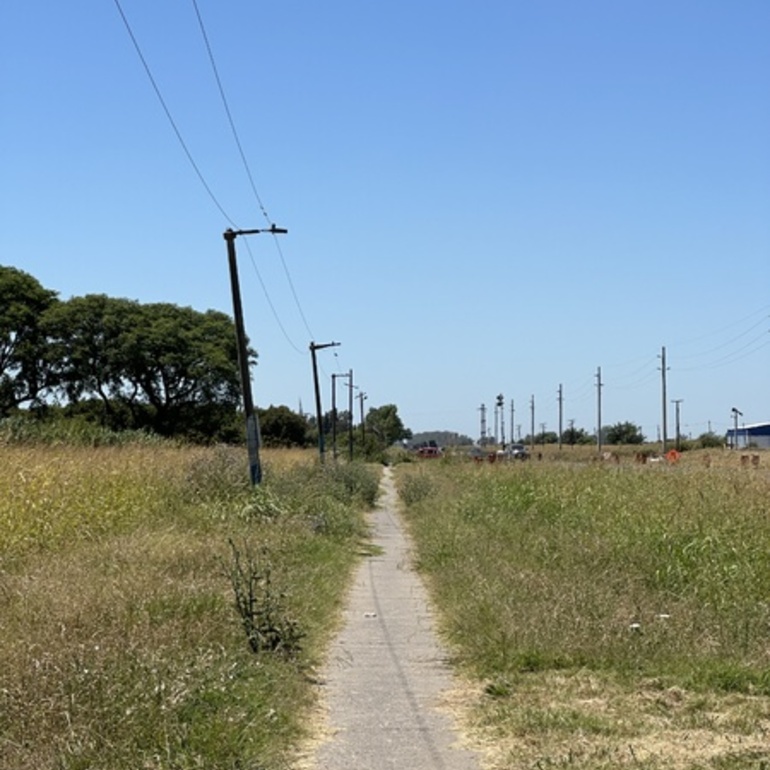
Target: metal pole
<point>736,414</point>
<point>501,405</point>
<point>483,437</point>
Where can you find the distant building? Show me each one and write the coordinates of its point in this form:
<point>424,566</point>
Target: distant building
<point>756,435</point>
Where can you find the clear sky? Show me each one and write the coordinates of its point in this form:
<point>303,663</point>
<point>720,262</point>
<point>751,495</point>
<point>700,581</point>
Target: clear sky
<point>482,197</point>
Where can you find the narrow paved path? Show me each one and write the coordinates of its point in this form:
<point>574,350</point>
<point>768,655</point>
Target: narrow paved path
<point>386,669</point>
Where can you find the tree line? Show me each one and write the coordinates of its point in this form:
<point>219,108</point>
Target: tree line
<point>161,367</point>
<point>132,366</point>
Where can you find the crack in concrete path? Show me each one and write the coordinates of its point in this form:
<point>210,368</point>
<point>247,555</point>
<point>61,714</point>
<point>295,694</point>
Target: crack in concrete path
<point>386,671</point>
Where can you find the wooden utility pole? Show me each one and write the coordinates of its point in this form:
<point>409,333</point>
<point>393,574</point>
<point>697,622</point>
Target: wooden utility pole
<point>361,399</point>
<point>252,423</point>
<point>350,411</point>
<point>335,377</point>
<point>318,415</point>
<point>676,402</point>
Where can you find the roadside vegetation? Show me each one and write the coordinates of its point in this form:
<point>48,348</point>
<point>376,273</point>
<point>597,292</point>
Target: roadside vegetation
<point>606,614</point>
<point>159,613</point>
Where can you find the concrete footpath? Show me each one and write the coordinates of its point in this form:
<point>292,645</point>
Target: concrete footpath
<point>385,674</point>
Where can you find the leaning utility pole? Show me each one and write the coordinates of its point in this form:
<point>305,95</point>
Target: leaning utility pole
<point>252,423</point>
<point>318,414</point>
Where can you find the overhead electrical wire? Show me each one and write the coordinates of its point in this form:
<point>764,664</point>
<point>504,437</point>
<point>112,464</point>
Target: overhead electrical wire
<point>734,356</point>
<point>170,118</point>
<point>245,162</point>
<point>762,321</point>
<point>764,309</point>
<point>199,173</point>
<point>228,112</point>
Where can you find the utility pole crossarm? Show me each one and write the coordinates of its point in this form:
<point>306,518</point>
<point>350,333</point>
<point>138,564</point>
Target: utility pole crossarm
<point>231,234</point>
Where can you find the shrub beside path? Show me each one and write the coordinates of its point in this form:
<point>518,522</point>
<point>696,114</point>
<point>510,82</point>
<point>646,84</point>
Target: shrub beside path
<point>386,671</point>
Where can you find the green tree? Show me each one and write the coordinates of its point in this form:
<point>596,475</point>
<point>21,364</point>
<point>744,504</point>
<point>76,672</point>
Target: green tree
<point>385,424</point>
<point>159,366</point>
<point>574,436</point>
<point>710,440</point>
<point>24,369</point>
<point>184,365</point>
<point>623,433</point>
<point>89,338</point>
<point>282,427</point>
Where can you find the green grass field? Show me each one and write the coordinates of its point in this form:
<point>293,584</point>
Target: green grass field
<point>120,643</point>
<point>606,614</point>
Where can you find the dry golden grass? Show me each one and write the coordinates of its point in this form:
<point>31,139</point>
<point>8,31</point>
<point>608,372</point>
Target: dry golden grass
<point>120,647</point>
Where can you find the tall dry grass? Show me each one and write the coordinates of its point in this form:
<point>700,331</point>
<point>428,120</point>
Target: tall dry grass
<point>120,646</point>
<point>590,599</point>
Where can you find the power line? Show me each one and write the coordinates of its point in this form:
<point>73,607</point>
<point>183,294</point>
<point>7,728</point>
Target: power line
<point>169,116</point>
<point>245,162</point>
<point>270,302</point>
<point>227,111</point>
<point>764,309</point>
<point>199,173</point>
<point>731,358</point>
<point>761,321</point>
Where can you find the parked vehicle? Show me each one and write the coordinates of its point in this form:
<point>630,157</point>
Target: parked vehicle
<point>518,452</point>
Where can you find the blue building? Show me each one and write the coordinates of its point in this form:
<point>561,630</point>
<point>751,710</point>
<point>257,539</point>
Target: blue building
<point>756,435</point>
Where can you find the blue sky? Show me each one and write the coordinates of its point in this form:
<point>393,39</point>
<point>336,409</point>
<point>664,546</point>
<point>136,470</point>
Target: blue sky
<point>481,197</point>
